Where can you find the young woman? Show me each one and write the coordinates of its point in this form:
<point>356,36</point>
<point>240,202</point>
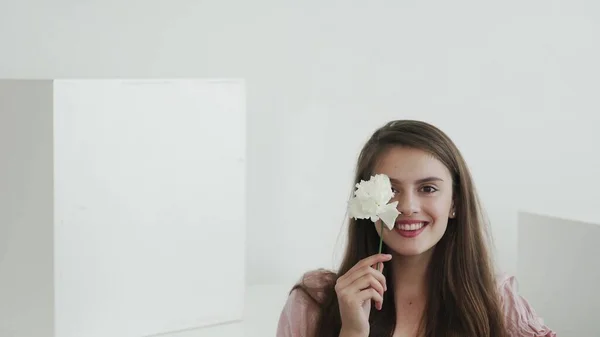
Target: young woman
<point>436,276</point>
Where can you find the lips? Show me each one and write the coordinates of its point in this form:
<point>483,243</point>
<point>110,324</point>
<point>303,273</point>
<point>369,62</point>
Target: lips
<point>410,228</point>
<point>410,223</point>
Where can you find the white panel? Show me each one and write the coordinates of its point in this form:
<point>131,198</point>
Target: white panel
<point>559,272</point>
<point>149,205</point>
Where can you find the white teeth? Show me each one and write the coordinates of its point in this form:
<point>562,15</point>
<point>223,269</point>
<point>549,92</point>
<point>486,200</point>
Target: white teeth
<point>410,227</point>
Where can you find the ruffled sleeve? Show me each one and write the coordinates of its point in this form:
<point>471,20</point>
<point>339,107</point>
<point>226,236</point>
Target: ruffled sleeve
<point>521,319</point>
<point>298,317</point>
<point>301,310</point>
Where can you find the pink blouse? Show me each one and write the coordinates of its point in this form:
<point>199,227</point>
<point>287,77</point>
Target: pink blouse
<point>299,314</point>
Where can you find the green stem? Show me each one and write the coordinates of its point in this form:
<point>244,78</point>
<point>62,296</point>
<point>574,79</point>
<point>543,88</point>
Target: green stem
<point>380,244</point>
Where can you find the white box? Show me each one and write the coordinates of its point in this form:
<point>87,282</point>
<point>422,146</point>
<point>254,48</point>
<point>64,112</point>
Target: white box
<point>123,206</point>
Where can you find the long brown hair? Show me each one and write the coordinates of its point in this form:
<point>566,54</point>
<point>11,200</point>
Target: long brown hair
<point>463,301</point>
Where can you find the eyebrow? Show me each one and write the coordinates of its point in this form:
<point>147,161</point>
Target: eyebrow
<point>420,181</point>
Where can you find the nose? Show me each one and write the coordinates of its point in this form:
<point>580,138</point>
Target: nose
<point>408,203</point>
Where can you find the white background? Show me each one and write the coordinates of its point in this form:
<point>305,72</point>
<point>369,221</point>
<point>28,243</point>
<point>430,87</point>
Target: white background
<point>513,83</point>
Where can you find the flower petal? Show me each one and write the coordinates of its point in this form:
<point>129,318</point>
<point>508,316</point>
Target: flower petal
<point>370,200</point>
<point>388,214</point>
<point>355,209</point>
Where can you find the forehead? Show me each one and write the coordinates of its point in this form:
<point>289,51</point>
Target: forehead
<point>406,164</point>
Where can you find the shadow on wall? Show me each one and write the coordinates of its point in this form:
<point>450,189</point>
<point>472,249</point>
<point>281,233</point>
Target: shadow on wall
<point>559,272</point>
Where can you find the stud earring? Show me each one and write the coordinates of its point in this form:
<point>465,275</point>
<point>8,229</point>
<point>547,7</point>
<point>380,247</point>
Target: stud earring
<point>453,213</point>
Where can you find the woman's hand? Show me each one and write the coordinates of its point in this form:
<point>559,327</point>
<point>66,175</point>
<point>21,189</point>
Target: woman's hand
<point>356,289</point>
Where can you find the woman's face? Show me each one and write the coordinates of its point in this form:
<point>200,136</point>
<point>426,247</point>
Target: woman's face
<point>423,188</point>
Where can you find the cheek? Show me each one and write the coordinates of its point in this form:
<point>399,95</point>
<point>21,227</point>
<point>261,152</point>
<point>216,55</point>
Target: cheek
<point>439,211</point>
<point>438,208</point>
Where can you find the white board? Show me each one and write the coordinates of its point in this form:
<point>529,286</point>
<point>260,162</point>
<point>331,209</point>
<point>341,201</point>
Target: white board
<point>559,272</point>
<point>149,205</point>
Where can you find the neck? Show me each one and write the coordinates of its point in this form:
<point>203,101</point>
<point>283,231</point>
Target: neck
<point>409,277</point>
<point>410,281</point>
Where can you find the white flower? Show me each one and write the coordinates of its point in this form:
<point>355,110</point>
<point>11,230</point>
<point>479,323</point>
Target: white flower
<point>371,199</point>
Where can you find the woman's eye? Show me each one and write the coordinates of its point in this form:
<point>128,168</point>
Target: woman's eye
<point>429,189</point>
<point>394,190</point>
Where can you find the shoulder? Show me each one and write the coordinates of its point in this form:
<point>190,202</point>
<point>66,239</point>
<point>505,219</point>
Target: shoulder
<point>300,313</point>
<point>520,318</point>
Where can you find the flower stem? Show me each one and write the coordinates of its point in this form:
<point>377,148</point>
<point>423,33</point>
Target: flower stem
<point>380,245</point>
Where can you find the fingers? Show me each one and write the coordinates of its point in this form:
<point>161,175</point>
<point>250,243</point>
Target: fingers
<point>378,266</point>
<point>371,294</point>
<point>355,273</point>
<point>369,282</point>
<point>363,281</point>
<point>352,297</point>
<point>369,261</point>
<point>367,273</point>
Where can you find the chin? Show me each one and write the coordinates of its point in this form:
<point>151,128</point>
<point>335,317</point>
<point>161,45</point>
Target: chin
<point>410,248</point>
<point>409,252</point>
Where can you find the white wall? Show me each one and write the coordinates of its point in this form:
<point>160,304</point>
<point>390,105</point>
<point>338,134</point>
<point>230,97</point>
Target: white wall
<point>322,75</point>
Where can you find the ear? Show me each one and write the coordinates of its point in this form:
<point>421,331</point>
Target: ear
<point>452,213</point>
